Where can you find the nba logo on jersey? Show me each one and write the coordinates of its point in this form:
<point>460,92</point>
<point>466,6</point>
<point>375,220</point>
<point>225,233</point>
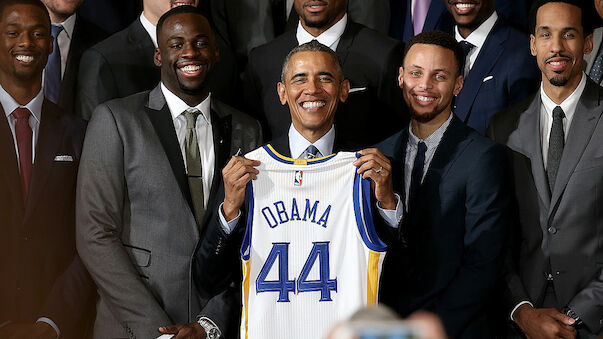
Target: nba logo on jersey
<point>298,178</point>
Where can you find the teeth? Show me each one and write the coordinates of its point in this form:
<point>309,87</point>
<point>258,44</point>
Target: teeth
<point>464,6</point>
<point>313,104</point>
<point>557,63</point>
<point>425,99</point>
<point>25,58</point>
<point>190,68</point>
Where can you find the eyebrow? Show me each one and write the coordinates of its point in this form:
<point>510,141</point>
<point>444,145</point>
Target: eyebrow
<point>545,28</point>
<point>435,70</point>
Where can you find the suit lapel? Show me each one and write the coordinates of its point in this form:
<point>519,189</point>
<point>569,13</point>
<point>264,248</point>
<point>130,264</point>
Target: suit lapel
<point>47,146</point>
<point>436,8</point>
<point>222,131</point>
<point>346,41</point>
<point>161,119</point>
<point>488,55</point>
<point>9,169</point>
<point>447,151</point>
<point>583,125</point>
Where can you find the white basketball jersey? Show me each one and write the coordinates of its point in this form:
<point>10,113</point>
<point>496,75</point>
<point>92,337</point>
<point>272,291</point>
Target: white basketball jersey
<point>311,256</point>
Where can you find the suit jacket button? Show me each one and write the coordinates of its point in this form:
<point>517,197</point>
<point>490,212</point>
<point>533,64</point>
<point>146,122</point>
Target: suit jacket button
<point>552,230</point>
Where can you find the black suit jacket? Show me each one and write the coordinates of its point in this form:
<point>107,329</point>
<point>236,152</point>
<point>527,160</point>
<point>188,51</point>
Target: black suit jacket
<point>454,231</point>
<point>374,108</point>
<point>85,34</point>
<point>42,274</point>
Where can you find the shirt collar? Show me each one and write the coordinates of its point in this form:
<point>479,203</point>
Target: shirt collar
<point>68,25</point>
<point>34,106</point>
<point>177,106</point>
<point>150,28</point>
<point>433,140</point>
<point>298,144</point>
<point>569,104</point>
<point>479,35</point>
<point>327,38</point>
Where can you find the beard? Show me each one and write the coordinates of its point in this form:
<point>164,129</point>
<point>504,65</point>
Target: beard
<point>558,80</point>
<point>425,117</point>
<point>317,23</point>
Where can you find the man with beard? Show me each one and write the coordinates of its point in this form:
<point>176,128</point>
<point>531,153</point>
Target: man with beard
<point>498,68</point>
<point>150,168</point>
<point>452,181</point>
<point>554,274</point>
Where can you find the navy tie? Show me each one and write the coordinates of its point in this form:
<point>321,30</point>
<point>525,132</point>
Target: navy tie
<point>417,172</point>
<point>52,75</point>
<point>312,152</point>
<point>467,47</point>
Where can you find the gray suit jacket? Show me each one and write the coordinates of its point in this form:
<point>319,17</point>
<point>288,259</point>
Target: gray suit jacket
<point>136,232</point>
<point>564,228</point>
<point>589,59</point>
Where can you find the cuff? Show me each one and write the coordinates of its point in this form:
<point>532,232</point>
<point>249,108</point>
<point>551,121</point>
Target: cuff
<point>392,217</point>
<point>517,306</point>
<point>51,323</point>
<point>227,226</point>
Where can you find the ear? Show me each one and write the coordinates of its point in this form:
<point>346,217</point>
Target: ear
<point>216,53</point>
<point>400,76</point>
<point>344,90</point>
<point>157,58</point>
<point>588,44</point>
<point>533,44</point>
<point>282,92</point>
<point>458,84</point>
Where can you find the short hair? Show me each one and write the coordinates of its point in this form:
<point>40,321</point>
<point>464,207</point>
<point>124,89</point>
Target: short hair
<point>36,3</point>
<point>178,10</point>
<point>441,39</point>
<point>584,17</point>
<point>312,46</point>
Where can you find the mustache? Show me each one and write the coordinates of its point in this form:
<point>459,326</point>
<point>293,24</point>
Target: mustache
<point>558,55</point>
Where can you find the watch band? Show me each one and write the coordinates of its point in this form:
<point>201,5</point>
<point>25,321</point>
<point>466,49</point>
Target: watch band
<point>211,330</point>
<point>570,313</point>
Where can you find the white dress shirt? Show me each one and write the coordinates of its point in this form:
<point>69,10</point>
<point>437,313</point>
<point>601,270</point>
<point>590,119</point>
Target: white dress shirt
<point>205,136</point>
<point>150,28</point>
<point>329,38</point>
<point>477,39</point>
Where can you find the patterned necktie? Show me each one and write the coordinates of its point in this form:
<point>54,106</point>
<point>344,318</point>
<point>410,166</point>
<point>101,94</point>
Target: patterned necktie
<point>556,144</point>
<point>193,164</point>
<point>312,152</point>
<point>417,172</point>
<point>24,134</point>
<point>419,14</point>
<point>596,72</point>
<point>52,74</point>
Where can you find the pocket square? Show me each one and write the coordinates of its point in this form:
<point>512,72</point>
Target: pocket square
<point>63,158</point>
<point>357,89</point>
<point>489,77</point>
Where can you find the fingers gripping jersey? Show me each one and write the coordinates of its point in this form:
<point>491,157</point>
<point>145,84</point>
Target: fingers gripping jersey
<point>311,256</point>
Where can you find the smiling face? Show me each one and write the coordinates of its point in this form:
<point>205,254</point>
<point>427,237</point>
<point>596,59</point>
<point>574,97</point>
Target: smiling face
<point>559,44</point>
<point>186,54</point>
<point>470,13</point>
<point>176,3</point>
<point>313,87</point>
<point>26,44</point>
<point>429,79</point>
<point>320,14</point>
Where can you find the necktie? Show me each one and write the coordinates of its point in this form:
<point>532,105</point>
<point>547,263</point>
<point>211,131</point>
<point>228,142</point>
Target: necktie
<point>24,138</point>
<point>419,14</point>
<point>467,47</point>
<point>193,164</point>
<point>52,75</point>
<point>556,144</point>
<point>596,72</point>
<point>417,172</point>
<point>312,152</point>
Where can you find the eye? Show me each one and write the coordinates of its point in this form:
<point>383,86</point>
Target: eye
<point>12,34</point>
<point>568,35</point>
<point>545,34</point>
<point>415,73</point>
<point>440,77</point>
<point>176,45</point>
<point>325,78</point>
<point>201,44</point>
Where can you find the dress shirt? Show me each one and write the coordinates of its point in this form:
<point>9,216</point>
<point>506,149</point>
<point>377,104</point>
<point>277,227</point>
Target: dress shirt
<point>432,142</point>
<point>546,115</point>
<point>477,39</point>
<point>297,146</point>
<point>329,38</point>
<point>150,28</point>
<point>35,107</point>
<point>203,128</point>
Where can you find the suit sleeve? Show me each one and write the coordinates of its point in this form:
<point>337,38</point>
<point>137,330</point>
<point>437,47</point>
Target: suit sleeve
<point>96,83</point>
<point>486,216</point>
<point>101,202</point>
<point>588,304</point>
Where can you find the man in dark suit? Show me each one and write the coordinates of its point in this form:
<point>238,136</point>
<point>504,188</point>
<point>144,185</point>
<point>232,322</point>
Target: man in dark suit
<point>72,35</point>
<point>499,70</point>
<point>373,108</point>
<point>446,257</point>
<point>554,275</point>
<point>45,289</point>
<point>122,64</point>
<point>150,168</point>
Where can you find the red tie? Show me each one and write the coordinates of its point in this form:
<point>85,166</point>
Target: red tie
<point>24,136</point>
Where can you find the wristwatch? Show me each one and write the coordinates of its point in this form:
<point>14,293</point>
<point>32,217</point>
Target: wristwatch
<point>570,313</point>
<point>212,331</point>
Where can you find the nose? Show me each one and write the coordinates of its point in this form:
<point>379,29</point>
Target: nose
<point>189,50</point>
<point>425,82</point>
<point>557,43</point>
<point>313,86</point>
<point>25,40</point>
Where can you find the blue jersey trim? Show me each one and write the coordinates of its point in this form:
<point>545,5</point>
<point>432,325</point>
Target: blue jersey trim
<point>245,246</point>
<point>371,240</point>
<point>291,161</point>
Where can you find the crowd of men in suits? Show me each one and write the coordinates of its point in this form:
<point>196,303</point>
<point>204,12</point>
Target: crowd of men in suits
<point>479,122</point>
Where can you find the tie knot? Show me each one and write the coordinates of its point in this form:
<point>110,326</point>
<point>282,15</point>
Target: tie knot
<point>467,46</point>
<point>191,115</point>
<point>21,113</point>
<point>311,152</point>
<point>55,30</point>
<point>421,147</point>
<point>558,113</point>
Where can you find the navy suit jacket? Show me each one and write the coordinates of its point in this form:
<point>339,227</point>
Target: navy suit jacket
<point>454,232</point>
<point>503,74</point>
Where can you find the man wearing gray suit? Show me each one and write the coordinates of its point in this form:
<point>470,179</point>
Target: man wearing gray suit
<point>594,61</point>
<point>555,273</point>
<point>149,169</point>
